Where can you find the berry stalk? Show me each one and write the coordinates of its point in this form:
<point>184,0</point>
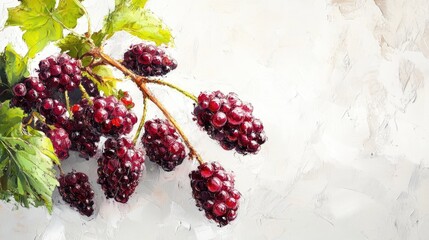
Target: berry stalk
<point>85,93</point>
<point>140,82</point>
<point>170,85</point>
<point>61,170</point>
<point>66,96</point>
<point>40,117</point>
<point>142,121</point>
<point>92,74</point>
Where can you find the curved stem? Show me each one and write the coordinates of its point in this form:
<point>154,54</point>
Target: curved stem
<point>142,120</point>
<point>61,170</point>
<point>38,116</point>
<point>42,119</point>
<point>140,82</point>
<point>29,120</point>
<point>85,93</point>
<point>95,64</point>
<point>88,19</point>
<point>182,91</point>
<point>95,76</point>
<point>66,96</point>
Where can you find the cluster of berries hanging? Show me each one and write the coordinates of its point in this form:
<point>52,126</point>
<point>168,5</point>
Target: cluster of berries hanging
<point>79,126</point>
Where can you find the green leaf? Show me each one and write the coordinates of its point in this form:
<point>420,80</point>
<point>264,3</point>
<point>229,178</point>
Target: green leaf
<point>108,85</point>
<point>42,23</point>
<point>26,161</point>
<point>132,3</point>
<point>69,11</point>
<point>75,46</point>
<point>13,67</point>
<point>139,3</point>
<point>98,38</point>
<point>10,118</point>
<point>139,22</point>
<point>78,46</point>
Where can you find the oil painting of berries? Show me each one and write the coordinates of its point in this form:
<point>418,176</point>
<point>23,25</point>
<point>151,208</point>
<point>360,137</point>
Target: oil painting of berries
<point>70,104</point>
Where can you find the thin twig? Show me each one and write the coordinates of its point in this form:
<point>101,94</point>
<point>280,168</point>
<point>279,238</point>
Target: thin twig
<point>85,93</point>
<point>88,19</point>
<point>95,64</point>
<point>164,83</point>
<point>66,96</point>
<point>94,75</point>
<point>61,170</point>
<point>142,120</point>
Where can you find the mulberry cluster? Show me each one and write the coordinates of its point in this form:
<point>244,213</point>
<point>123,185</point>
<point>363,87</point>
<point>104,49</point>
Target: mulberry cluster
<point>111,117</point>
<point>61,72</point>
<point>213,190</point>
<point>75,190</point>
<point>162,144</point>
<point>119,168</point>
<point>148,60</point>
<point>83,135</point>
<point>28,94</point>
<point>230,121</point>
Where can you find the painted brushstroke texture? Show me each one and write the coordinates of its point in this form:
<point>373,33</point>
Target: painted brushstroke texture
<point>340,86</point>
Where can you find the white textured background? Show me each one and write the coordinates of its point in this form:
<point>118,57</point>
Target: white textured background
<point>340,87</point>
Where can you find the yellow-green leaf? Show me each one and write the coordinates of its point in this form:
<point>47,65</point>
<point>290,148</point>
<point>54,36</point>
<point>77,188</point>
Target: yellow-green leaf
<point>139,22</point>
<point>42,23</point>
<point>131,3</point>
<point>10,118</point>
<point>26,161</point>
<point>138,3</point>
<point>75,46</point>
<point>68,12</point>
<point>13,66</point>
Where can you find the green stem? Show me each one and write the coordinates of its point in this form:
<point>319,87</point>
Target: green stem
<point>95,76</point>
<point>86,15</point>
<point>182,91</point>
<point>38,116</point>
<point>61,170</point>
<point>66,96</point>
<point>142,120</point>
<point>42,119</point>
<point>85,93</point>
<point>29,120</point>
